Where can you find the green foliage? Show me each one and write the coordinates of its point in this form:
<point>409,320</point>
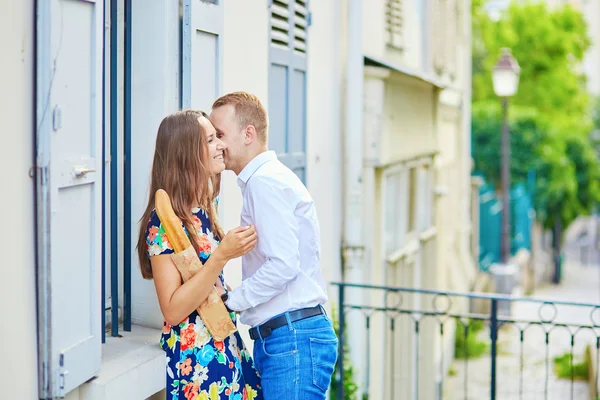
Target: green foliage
<point>549,44</point>
<point>469,346</point>
<point>584,173</point>
<point>350,386</point>
<point>567,168</point>
<point>526,135</point>
<point>550,118</point>
<point>562,367</point>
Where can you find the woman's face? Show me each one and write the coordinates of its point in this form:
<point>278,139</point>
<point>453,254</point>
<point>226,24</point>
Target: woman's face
<point>216,164</point>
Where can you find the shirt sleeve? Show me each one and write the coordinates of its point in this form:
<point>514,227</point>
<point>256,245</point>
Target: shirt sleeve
<point>272,207</point>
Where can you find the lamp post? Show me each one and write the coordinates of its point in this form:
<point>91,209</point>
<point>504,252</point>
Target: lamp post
<point>506,81</point>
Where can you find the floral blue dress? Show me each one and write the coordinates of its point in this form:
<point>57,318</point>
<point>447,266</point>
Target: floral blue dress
<point>198,367</point>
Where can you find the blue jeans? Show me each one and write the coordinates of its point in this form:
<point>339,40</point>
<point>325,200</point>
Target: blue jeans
<point>297,360</point>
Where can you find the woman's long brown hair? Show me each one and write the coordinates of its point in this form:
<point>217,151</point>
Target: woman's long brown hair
<point>180,167</point>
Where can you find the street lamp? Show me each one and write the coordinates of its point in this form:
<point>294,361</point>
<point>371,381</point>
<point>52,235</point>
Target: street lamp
<point>506,81</point>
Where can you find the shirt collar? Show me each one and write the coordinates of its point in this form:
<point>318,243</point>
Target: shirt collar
<point>254,165</point>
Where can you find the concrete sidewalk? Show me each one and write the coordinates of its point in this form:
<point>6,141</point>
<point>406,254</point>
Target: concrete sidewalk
<point>525,369</point>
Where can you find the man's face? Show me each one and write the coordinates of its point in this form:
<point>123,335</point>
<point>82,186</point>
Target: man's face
<point>230,133</point>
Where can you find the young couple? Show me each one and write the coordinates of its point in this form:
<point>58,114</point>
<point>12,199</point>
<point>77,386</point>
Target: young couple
<point>282,292</point>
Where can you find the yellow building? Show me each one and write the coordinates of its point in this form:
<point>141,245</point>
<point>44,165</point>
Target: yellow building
<point>415,180</point>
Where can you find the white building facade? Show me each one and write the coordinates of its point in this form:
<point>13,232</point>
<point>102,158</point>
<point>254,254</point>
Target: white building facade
<point>416,185</point>
<point>369,104</point>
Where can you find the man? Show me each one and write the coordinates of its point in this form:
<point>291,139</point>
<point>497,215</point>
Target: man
<point>282,291</point>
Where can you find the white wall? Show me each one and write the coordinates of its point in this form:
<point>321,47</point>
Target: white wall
<point>374,35</point>
<point>17,289</point>
<point>324,137</point>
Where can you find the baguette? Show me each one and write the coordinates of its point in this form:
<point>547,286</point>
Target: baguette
<point>215,316</point>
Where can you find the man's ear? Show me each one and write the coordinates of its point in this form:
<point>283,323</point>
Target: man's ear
<point>250,134</point>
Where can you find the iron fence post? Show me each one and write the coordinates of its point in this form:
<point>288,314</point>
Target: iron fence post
<point>341,344</point>
<point>493,337</point>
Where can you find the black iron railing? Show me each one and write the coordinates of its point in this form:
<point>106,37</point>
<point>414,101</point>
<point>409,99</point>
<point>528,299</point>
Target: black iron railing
<point>427,344</point>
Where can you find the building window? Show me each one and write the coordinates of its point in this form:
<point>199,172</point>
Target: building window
<point>396,210</point>
<point>289,21</point>
<point>419,195</point>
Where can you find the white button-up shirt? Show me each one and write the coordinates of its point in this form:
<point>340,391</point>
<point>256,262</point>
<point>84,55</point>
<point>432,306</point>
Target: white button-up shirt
<point>282,273</point>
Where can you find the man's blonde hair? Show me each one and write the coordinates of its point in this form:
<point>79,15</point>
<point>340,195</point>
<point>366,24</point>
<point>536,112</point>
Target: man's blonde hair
<point>248,111</point>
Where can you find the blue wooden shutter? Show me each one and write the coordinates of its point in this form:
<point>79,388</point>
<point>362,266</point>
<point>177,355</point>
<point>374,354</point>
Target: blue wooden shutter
<point>69,157</point>
<point>287,82</point>
<point>202,53</point>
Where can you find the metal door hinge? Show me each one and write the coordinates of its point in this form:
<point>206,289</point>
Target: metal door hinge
<point>62,377</point>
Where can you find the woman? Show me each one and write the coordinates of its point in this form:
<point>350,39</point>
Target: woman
<point>188,161</point>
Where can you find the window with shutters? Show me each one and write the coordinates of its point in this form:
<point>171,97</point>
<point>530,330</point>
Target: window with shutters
<point>394,23</point>
<point>289,21</point>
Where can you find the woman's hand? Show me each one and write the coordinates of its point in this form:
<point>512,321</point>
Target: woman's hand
<point>237,242</point>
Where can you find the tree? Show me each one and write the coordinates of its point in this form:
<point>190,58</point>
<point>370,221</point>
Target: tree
<point>567,169</point>
<point>534,149</point>
<point>551,116</point>
<point>595,134</point>
<point>486,126</point>
<point>549,44</point>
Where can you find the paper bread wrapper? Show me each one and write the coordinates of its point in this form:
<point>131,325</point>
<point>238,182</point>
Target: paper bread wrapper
<point>214,315</point>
